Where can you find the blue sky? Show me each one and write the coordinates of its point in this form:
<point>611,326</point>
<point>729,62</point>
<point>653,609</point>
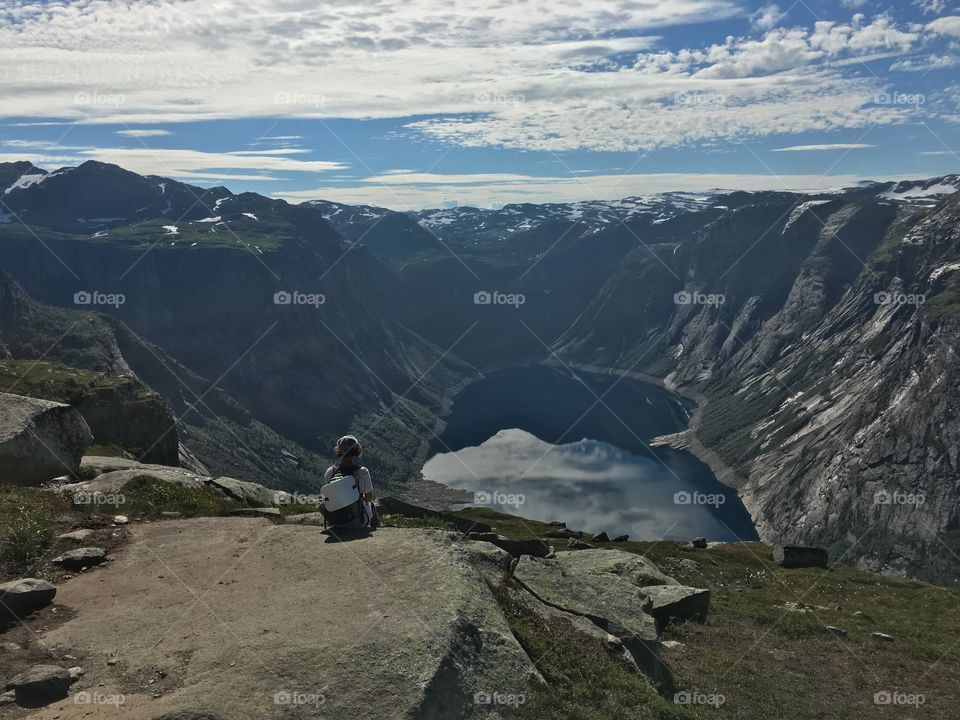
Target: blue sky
<point>412,104</point>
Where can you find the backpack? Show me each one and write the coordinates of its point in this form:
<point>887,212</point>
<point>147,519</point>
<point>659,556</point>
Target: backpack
<point>340,500</point>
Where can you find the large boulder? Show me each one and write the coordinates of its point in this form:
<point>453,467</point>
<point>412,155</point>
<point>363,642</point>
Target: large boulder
<point>248,493</point>
<point>799,556</point>
<point>677,602</point>
<point>636,569</point>
<point>607,599</point>
<point>516,548</point>
<point>395,506</point>
<point>39,439</point>
<point>25,595</point>
<point>40,685</point>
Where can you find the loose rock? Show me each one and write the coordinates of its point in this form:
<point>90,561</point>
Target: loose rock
<point>81,558</point>
<point>700,543</point>
<point>25,595</point>
<point>40,684</point>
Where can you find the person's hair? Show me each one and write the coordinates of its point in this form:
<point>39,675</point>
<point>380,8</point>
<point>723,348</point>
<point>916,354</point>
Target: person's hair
<point>347,447</point>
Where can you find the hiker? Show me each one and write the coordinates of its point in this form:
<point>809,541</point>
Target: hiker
<point>360,512</point>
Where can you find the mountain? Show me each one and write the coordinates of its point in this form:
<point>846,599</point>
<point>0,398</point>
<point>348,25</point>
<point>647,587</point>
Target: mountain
<point>817,330</point>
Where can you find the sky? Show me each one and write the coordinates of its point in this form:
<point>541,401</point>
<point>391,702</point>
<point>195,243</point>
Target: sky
<point>432,103</point>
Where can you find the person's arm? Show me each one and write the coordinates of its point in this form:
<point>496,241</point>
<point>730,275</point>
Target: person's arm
<point>367,489</point>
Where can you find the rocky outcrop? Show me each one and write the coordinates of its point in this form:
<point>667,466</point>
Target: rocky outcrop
<point>40,684</point>
<point>39,439</point>
<point>411,607</point>
<point>611,602</point>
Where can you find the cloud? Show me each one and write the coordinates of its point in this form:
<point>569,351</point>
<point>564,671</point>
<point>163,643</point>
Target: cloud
<point>767,17</point>
<point>931,6</point>
<point>532,76</point>
<point>949,25</point>
<point>143,133</point>
<point>169,162</point>
<point>482,191</point>
<point>813,148</point>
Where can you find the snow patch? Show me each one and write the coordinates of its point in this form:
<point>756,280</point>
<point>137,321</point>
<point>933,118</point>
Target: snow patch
<point>171,229</point>
<point>24,182</point>
<point>210,220</point>
<point>251,216</point>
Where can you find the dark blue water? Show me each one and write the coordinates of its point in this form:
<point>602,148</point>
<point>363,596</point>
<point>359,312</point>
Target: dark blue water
<point>549,445</point>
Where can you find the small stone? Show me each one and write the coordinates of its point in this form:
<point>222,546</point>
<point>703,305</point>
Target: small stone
<point>120,519</point>
<point>671,644</point>
<point>700,543</point>
<point>9,647</point>
<point>575,544</point>
<point>8,698</point>
<point>858,613</point>
<point>75,672</point>
<point>81,535</point>
<point>882,636</point>
<point>839,632</point>
<point>68,658</point>
<point>112,661</point>
<point>614,641</point>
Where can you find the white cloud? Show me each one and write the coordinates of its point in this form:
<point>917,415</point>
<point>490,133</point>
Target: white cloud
<point>949,25</point>
<point>931,6</point>
<point>814,148</point>
<point>767,17</point>
<point>537,75</point>
<point>143,133</point>
<point>175,163</point>
<point>483,192</point>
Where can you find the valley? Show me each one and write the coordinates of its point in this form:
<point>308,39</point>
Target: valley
<point>826,383</point>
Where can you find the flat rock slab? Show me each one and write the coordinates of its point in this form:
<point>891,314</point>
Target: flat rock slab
<point>677,602</point>
<point>610,601</point>
<point>252,494</point>
<point>25,595</point>
<point>241,609</point>
<point>799,556</point>
<point>314,519</point>
<point>81,535</point>
<point>81,558</point>
<point>39,439</point>
<point>635,568</point>
<point>516,548</point>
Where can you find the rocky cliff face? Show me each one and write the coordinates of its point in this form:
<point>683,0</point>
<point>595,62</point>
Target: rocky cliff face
<point>829,368</point>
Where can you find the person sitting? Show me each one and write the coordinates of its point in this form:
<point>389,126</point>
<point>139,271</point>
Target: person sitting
<point>348,451</point>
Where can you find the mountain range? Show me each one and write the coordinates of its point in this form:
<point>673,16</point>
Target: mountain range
<point>818,332</point>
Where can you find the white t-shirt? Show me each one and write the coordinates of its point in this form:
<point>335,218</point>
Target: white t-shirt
<point>364,485</point>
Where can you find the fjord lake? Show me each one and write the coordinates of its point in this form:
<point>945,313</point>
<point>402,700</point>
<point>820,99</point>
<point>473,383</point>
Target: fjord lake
<point>552,444</point>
